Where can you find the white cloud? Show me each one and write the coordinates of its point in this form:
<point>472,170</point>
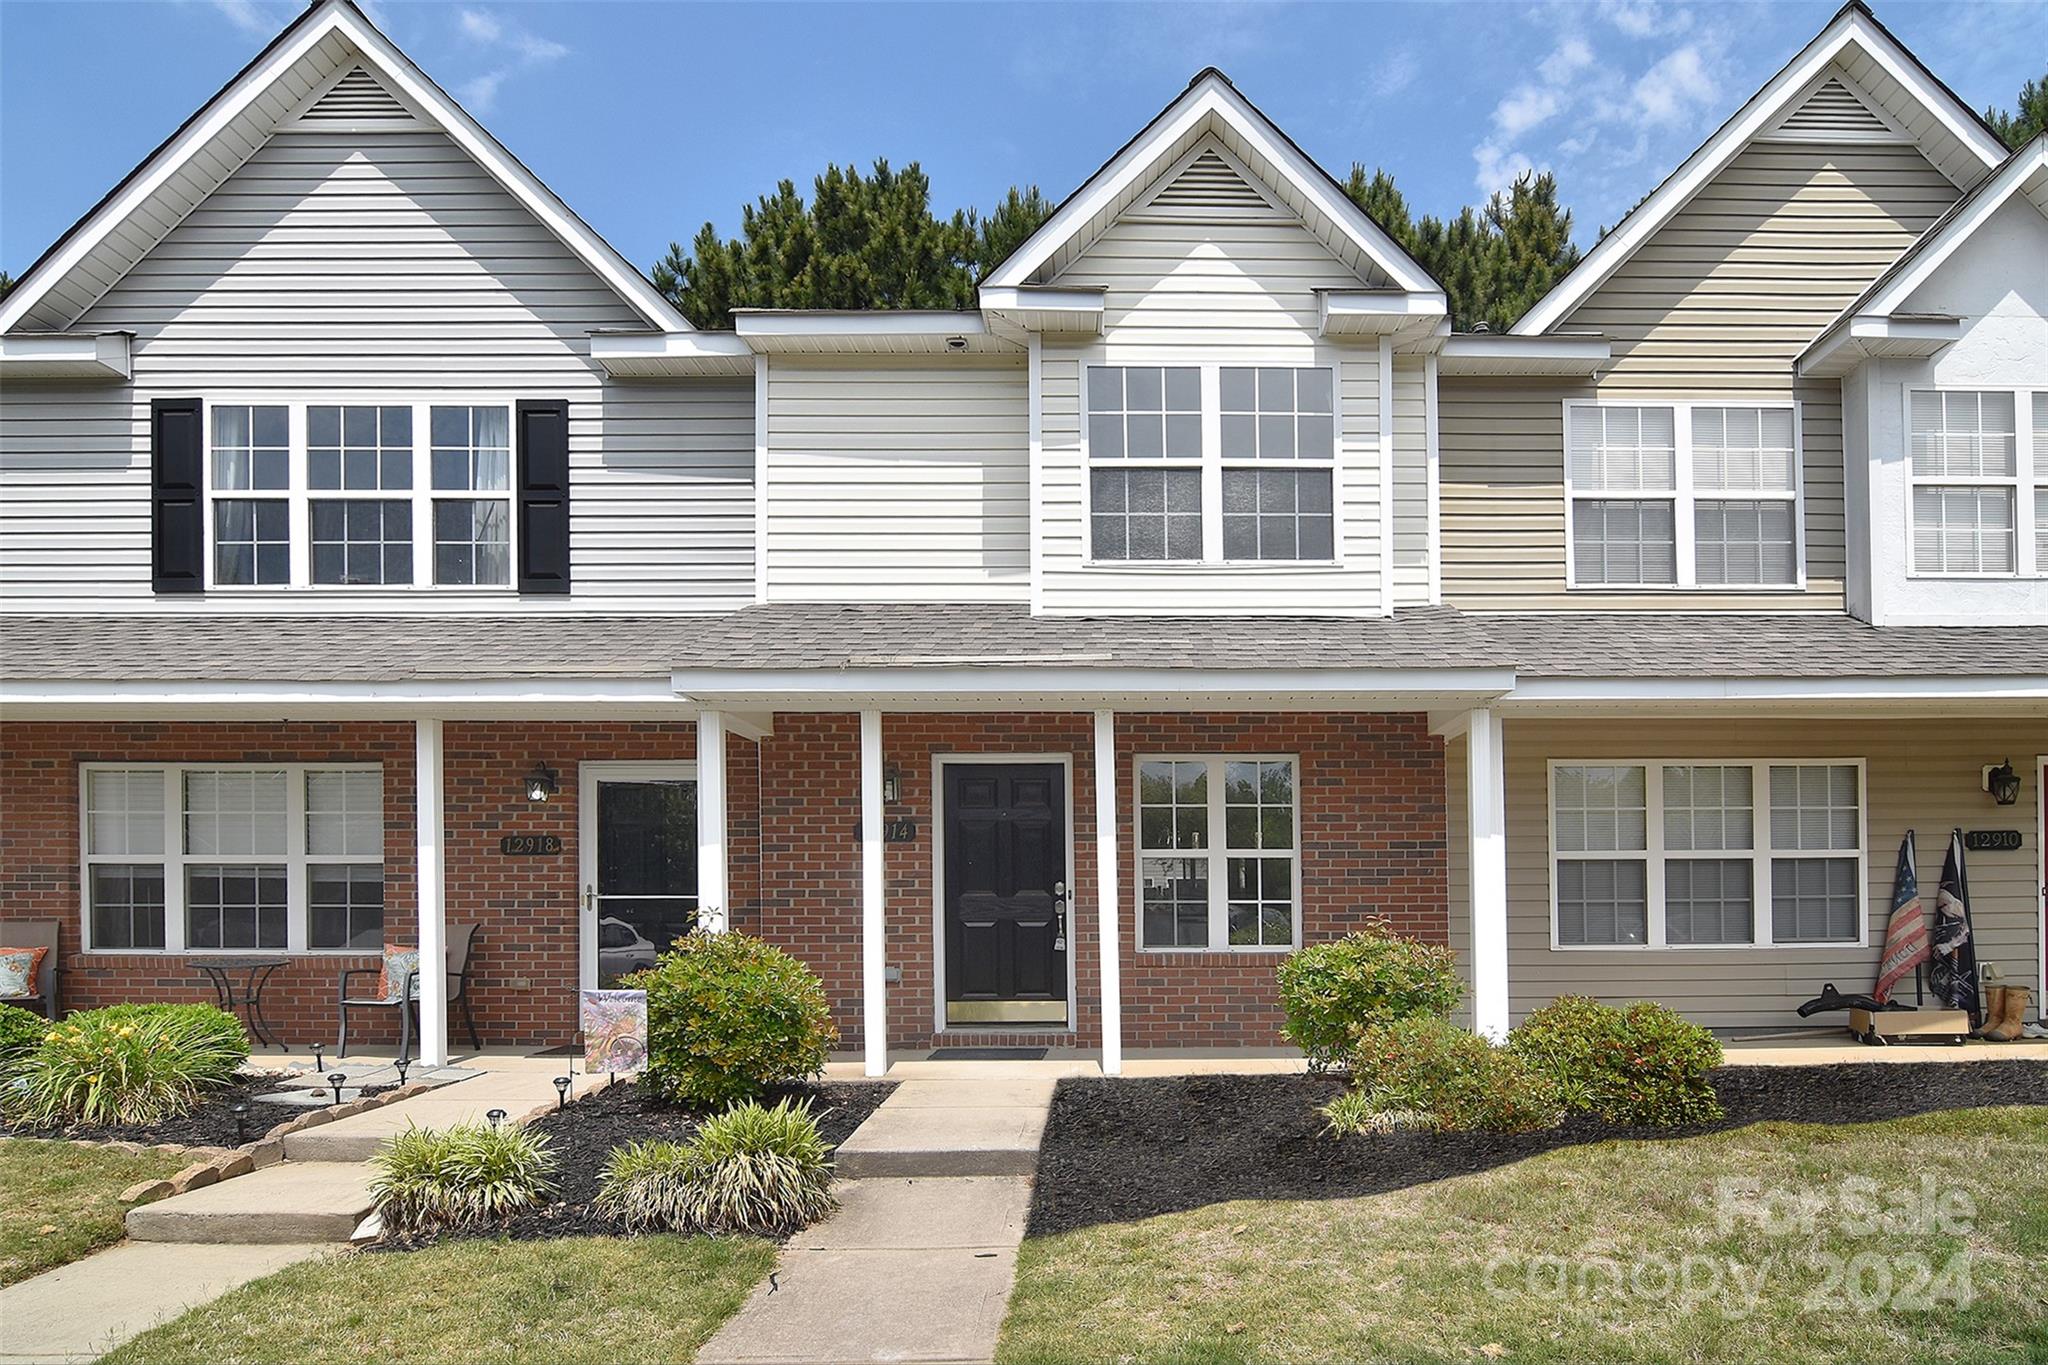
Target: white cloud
<point>1395,74</point>
<point>1572,56</point>
<point>249,16</point>
<point>511,47</point>
<point>1670,91</point>
<point>1526,107</point>
<point>1646,18</point>
<point>1499,167</point>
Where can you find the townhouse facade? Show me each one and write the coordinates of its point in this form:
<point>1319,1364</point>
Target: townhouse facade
<point>379,551</point>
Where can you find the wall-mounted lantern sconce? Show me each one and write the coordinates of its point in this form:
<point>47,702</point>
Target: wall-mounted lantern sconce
<point>892,783</point>
<point>2003,783</point>
<point>542,782</point>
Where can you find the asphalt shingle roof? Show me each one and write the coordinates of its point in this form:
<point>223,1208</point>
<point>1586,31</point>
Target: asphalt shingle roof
<point>169,648</point>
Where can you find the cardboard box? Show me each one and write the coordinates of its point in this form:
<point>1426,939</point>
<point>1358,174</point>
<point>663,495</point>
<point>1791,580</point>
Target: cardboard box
<point>1910,1026</point>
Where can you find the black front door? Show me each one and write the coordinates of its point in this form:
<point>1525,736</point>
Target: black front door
<point>1005,893</point>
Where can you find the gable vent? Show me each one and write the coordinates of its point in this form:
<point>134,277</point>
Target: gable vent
<point>1833,111</point>
<point>1209,182</point>
<point>354,98</point>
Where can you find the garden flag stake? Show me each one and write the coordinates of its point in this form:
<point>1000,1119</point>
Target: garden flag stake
<point>1953,975</point>
<point>1905,937</point>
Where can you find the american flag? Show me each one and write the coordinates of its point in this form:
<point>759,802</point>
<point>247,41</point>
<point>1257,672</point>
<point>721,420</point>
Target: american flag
<point>1905,937</point>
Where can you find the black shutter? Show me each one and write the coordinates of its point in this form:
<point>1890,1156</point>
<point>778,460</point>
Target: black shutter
<point>544,496</point>
<point>177,486</point>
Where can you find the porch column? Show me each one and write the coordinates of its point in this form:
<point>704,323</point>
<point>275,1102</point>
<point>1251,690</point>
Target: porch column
<point>428,888</point>
<point>1107,917</point>
<point>1486,826</point>
<point>874,1003</point>
<point>714,914</point>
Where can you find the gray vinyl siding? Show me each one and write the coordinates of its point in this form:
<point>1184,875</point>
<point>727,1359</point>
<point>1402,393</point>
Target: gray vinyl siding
<point>1411,482</point>
<point>1920,774</point>
<point>376,266</point>
<point>1217,285</point>
<point>898,480</point>
<point>1717,304</point>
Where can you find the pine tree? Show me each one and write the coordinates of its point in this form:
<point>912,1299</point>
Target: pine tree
<point>6,284</point>
<point>861,242</point>
<point>2024,124</point>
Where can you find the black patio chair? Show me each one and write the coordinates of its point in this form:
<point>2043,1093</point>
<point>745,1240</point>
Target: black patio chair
<point>461,942</point>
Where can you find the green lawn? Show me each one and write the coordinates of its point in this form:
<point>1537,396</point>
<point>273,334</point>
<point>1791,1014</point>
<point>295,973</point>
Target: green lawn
<point>602,1300</point>
<point>1470,1269</point>
<point>64,1200</point>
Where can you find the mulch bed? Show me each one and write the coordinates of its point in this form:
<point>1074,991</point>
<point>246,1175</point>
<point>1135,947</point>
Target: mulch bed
<point>211,1124</point>
<point>583,1135</point>
<point>1117,1150</point>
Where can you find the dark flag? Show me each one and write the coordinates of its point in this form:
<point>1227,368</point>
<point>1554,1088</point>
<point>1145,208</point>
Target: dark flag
<point>1953,975</point>
<point>1905,938</point>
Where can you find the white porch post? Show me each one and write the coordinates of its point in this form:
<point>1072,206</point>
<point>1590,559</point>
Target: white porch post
<point>874,1003</point>
<point>429,886</point>
<point>1486,826</point>
<point>714,914</point>
<point>1107,917</point>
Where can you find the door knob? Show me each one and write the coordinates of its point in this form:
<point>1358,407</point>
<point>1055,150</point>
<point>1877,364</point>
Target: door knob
<point>1059,889</point>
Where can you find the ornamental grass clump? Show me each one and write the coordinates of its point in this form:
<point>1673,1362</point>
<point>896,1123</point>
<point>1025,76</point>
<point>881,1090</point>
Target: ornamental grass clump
<point>1429,1074</point>
<point>469,1175</point>
<point>749,1170</point>
<point>1639,1064</point>
<point>125,1065</point>
<point>1332,992</point>
<point>728,1016</point>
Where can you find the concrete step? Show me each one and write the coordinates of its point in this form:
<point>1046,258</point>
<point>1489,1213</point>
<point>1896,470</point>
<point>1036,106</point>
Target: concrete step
<point>951,1128</point>
<point>289,1202</point>
<point>523,1096</point>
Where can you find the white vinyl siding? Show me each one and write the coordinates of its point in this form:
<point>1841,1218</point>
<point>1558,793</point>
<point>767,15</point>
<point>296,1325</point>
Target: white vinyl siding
<point>1714,308</point>
<point>379,268</point>
<point>898,480</point>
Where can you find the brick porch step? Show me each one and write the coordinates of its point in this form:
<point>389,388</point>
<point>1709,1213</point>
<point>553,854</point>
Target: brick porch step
<point>951,1128</point>
<point>290,1202</point>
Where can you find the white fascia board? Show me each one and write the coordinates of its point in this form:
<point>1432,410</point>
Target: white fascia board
<point>1852,341</point>
<point>1209,96</point>
<point>338,17</point>
<point>1042,299</point>
<point>1378,312</point>
<point>539,698</point>
<point>1506,353</point>
<point>1932,688</point>
<point>682,352</point>
<point>878,322</point>
<point>77,355</point>
<point>1850,28</point>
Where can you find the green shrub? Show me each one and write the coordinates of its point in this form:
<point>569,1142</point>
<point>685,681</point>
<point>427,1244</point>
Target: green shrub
<point>1428,1073</point>
<point>1640,1064</point>
<point>464,1176</point>
<point>126,1064</point>
<point>21,1032</point>
<point>1333,992</point>
<point>728,1016</point>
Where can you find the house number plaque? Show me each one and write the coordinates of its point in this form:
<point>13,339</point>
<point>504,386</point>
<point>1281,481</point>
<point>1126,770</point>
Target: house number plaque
<point>2002,840</point>
<point>530,845</point>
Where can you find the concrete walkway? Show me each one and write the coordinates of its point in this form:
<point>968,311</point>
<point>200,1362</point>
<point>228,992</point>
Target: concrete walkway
<point>918,1263</point>
<point>80,1311</point>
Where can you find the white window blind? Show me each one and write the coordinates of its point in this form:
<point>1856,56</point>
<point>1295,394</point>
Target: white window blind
<point>1963,452</point>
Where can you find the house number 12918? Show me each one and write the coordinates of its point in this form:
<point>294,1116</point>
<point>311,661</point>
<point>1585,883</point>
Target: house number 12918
<point>530,845</point>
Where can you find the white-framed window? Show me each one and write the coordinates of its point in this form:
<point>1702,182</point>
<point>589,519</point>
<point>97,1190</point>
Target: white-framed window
<point>1211,463</point>
<point>1707,853</point>
<point>1219,859</point>
<point>360,494</point>
<point>1673,495</point>
<point>1975,471</point>
<point>259,857</point>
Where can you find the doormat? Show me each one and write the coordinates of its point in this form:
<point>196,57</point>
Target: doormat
<point>987,1054</point>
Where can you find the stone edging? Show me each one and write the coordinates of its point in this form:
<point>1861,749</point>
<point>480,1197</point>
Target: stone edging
<point>225,1163</point>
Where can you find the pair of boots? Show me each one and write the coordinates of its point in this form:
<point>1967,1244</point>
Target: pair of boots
<point>2005,1009</point>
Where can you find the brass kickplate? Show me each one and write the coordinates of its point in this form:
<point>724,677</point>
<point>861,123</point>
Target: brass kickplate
<point>1006,1011</point>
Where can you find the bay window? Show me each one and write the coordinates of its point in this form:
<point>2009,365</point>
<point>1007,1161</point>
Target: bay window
<point>1975,476</point>
<point>1229,463</point>
<point>1218,853</point>
<point>1704,854</point>
<point>233,858</point>
<point>360,495</point>
<point>1682,495</point>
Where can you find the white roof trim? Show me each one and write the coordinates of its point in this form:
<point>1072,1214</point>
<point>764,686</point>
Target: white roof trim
<point>877,322</point>
<point>1378,312</point>
<point>1853,27</point>
<point>412,86</point>
<point>1850,342</point>
<point>1504,353</point>
<point>1925,256</point>
<point>65,355</point>
<point>1209,96</point>
<point>1042,298</point>
<point>640,354</point>
<point>2016,687</point>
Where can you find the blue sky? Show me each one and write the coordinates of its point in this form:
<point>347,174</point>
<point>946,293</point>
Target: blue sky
<point>649,118</point>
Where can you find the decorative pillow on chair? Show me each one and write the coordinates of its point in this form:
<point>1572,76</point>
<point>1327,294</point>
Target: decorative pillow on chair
<point>19,968</point>
<point>397,962</point>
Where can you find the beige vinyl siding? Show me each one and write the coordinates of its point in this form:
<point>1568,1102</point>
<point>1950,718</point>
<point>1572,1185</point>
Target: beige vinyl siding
<point>898,481</point>
<point>1411,482</point>
<point>1229,285</point>
<point>1919,774</point>
<point>376,266</point>
<point>1715,305</point>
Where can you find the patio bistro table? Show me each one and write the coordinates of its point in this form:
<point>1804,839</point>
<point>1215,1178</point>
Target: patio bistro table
<point>250,998</point>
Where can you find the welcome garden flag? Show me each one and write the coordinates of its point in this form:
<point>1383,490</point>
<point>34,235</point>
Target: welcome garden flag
<point>1953,973</point>
<point>1905,936</point>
